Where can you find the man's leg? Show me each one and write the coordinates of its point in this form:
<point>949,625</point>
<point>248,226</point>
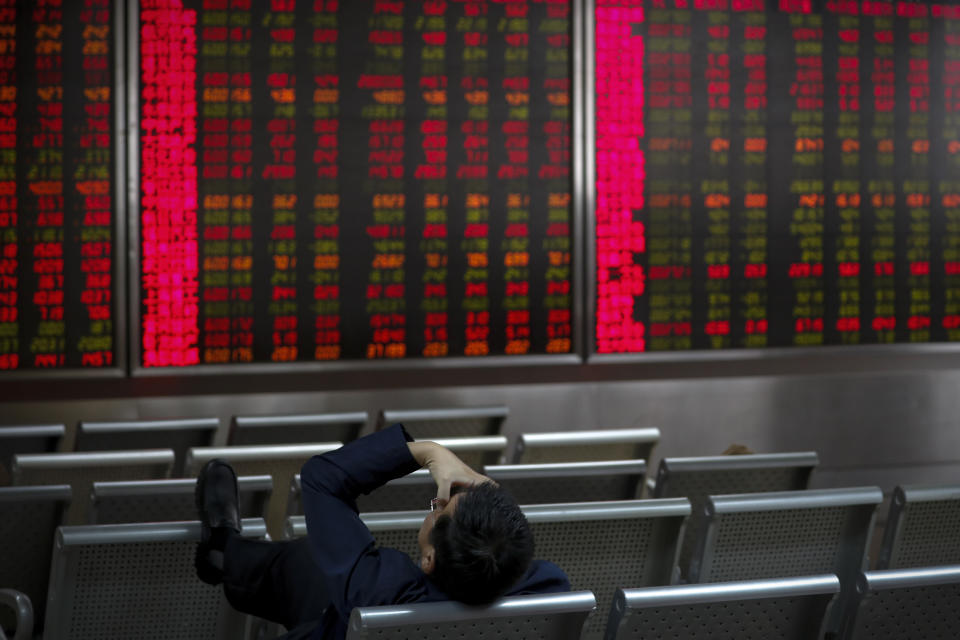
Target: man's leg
<point>276,581</point>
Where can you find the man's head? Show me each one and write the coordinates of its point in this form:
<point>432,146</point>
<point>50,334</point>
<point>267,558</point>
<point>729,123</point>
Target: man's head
<point>477,546</point>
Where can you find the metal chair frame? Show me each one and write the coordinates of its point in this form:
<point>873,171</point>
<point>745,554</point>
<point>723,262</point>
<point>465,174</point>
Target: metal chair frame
<point>873,584</point>
<point>413,419</point>
<point>249,430</point>
<point>254,493</point>
<point>676,605</point>
<point>896,535</point>
<point>643,440</point>
<point>556,616</point>
<point>145,434</point>
<point>524,480</point>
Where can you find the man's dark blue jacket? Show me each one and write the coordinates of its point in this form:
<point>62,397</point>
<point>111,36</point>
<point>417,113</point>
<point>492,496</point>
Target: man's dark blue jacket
<point>357,572</point>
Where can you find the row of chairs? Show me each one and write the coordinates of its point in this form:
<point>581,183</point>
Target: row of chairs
<point>603,544</point>
<point>531,483</point>
<point>129,580</point>
<point>183,434</point>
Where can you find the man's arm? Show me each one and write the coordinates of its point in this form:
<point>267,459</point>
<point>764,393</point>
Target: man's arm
<point>446,468</point>
<point>355,571</point>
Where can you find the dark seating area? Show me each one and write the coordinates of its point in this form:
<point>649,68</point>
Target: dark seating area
<point>733,538</point>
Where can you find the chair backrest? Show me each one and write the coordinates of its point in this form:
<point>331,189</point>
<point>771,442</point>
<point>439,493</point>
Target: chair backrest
<point>784,609</point>
<point>923,528</point>
<point>476,451</point>
<point>281,461</point>
<point>905,604</point>
<point>786,533</point>
<point>600,545</point>
<point>36,438</point>
<point>571,481</point>
<point>29,516</point>
<point>81,470</point>
<point>179,435</point>
<point>16,611</point>
<point>585,446</point>
<point>120,581</point>
<point>555,616</point>
<point>696,478</point>
<point>293,429</point>
<point>429,424</point>
<point>167,500</point>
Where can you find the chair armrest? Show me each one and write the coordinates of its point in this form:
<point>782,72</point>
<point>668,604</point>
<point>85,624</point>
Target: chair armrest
<point>23,610</point>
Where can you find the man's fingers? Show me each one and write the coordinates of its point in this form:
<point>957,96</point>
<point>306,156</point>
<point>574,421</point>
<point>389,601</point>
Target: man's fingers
<point>443,491</point>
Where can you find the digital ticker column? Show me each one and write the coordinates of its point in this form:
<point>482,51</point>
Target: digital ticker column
<point>92,207</point>
<point>716,188</point>
<point>845,186</point>
<point>324,310</point>
<point>806,188</point>
<point>750,149</point>
<point>949,187</point>
<point>384,81</point>
<point>168,185</point>
<point>9,215</point>
<point>514,173</point>
<point>45,185</point>
<point>279,177</point>
<point>475,172</point>
<point>878,163</point>
<point>224,188</point>
<point>555,172</point>
<point>669,299</point>
<point>914,165</point>
<point>621,172</point>
<point>431,173</point>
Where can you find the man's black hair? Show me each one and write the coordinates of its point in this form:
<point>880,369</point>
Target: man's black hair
<point>484,548</point>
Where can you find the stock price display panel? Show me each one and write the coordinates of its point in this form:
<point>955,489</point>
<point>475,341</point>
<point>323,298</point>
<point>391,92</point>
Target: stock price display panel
<point>56,185</point>
<point>776,173</point>
<point>326,180</point>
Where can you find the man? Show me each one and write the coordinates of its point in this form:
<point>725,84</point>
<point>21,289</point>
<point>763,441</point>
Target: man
<point>474,547</point>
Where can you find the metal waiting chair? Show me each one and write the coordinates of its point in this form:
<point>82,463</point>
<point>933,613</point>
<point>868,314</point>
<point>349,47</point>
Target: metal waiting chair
<point>293,429</point>
<point>921,603</point>
<point>179,435</point>
<point>280,461</point>
<point>81,470</point>
<point>781,609</point>
<point>429,424</point>
<point>554,616</point>
<point>600,545</point>
<point>923,528</point>
<point>37,438</point>
<point>571,481</point>
<point>121,581</point>
<point>585,446</point>
<point>16,606</point>
<point>168,500</point>
<point>696,478</point>
<point>785,534</point>
<point>29,517</point>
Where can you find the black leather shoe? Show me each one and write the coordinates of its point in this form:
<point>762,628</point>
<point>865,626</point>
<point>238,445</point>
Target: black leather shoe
<point>217,502</point>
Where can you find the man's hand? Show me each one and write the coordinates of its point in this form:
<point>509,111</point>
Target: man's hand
<point>446,468</point>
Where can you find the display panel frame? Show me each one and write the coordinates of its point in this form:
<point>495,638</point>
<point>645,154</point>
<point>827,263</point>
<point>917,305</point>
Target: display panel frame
<point>816,357</point>
<point>578,222</point>
<point>119,269</point>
